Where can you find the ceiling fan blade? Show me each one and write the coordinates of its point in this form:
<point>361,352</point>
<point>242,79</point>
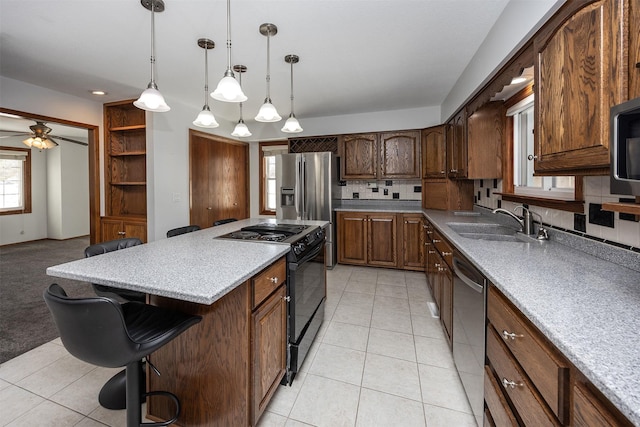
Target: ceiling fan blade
<point>68,140</point>
<point>15,134</point>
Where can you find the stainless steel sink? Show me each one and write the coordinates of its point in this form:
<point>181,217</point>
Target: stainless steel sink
<point>486,231</point>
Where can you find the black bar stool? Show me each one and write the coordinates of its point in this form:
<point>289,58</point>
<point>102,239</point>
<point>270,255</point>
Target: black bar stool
<point>183,230</point>
<point>105,333</point>
<point>224,221</point>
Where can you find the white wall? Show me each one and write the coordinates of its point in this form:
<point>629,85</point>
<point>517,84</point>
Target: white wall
<point>517,23</point>
<point>70,217</point>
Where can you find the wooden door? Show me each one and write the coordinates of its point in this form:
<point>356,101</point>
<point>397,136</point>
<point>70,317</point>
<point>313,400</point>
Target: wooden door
<point>352,238</point>
<point>580,75</point>
<point>359,156</point>
<point>381,246</point>
<point>219,179</point>
<point>434,162</point>
<point>400,155</point>
<point>412,242</point>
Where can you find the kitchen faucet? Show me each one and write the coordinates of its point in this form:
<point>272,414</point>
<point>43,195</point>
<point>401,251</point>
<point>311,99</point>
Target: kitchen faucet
<point>526,223</point>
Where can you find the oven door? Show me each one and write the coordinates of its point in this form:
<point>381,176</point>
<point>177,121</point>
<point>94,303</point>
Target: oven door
<point>306,288</point>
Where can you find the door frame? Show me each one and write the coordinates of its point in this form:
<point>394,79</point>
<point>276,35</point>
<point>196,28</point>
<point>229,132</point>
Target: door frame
<point>93,159</point>
<point>218,139</point>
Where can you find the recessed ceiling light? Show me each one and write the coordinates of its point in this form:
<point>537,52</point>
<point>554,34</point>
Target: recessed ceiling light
<point>98,92</point>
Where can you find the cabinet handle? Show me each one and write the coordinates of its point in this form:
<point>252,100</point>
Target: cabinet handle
<point>510,335</point>
<point>436,241</point>
<point>437,264</point>
<point>209,208</point>
<point>454,171</point>
<point>274,279</point>
<point>532,157</point>
<point>447,253</point>
<point>121,233</point>
<point>442,172</point>
<point>429,232</point>
<point>287,298</point>
<point>442,269</point>
<point>432,252</point>
<point>512,384</point>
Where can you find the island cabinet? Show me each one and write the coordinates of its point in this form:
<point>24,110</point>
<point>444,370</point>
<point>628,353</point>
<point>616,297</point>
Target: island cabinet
<point>528,381</point>
<point>386,155</point>
<point>125,172</point>
<point>226,368</point>
<point>580,73</point>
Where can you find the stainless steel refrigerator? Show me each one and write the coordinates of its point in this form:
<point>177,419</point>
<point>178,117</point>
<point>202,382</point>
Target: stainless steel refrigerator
<point>306,187</point>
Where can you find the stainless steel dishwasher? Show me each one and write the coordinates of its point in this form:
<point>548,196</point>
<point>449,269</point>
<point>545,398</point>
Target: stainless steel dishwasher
<point>469,327</point>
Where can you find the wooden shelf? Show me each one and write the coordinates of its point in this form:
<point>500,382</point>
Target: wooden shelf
<point>629,208</point>
<point>127,128</point>
<point>129,183</point>
<point>129,153</point>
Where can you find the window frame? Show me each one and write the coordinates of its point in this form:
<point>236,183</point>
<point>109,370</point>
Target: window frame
<point>262,174</point>
<point>26,182</point>
<point>576,204</point>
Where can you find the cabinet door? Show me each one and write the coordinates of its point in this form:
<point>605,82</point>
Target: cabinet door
<point>381,247</point>
<point>269,335</point>
<point>352,238</point>
<point>111,229</point>
<point>434,161</point>
<point>456,137</point>
<point>400,155</point>
<point>634,51</point>
<point>412,242</point>
<point>446,300</point>
<point>359,156</point>
<point>580,75</point>
<point>135,229</point>
<point>485,134</point>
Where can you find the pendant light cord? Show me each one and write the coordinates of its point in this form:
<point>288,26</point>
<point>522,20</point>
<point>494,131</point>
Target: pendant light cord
<point>229,37</point>
<point>269,65</point>
<point>153,45</point>
<point>206,77</point>
<point>292,88</point>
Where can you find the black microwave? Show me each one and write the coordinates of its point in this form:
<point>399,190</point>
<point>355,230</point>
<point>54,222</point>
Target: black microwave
<point>625,148</point>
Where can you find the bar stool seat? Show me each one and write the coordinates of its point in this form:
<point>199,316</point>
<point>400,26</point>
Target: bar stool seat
<point>105,333</point>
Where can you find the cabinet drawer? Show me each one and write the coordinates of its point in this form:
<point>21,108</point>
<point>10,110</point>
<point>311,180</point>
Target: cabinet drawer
<point>527,402</point>
<point>443,247</point>
<point>496,403</point>
<point>268,281</point>
<point>544,366</point>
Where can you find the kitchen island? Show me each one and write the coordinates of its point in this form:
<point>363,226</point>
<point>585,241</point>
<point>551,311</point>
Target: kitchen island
<point>218,369</point>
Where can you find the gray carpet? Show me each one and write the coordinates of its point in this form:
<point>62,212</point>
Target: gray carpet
<point>25,322</point>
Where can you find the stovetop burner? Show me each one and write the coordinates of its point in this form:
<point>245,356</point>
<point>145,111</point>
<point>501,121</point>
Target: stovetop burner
<point>275,237</point>
<point>244,235</point>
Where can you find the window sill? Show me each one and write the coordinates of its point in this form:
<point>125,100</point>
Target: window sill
<point>576,206</point>
<point>15,212</point>
<point>266,212</point>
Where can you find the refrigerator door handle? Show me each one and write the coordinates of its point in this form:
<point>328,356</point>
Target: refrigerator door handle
<point>298,186</point>
<point>303,213</point>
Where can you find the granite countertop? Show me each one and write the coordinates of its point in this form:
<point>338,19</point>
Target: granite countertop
<point>399,206</point>
<point>193,267</point>
<point>588,307</point>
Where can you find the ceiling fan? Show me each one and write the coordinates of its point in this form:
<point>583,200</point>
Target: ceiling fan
<point>40,138</point>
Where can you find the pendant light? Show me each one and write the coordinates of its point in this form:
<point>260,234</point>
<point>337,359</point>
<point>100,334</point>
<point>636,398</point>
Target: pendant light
<point>228,90</point>
<point>268,112</point>
<point>241,130</point>
<point>291,125</point>
<point>151,99</point>
<point>206,119</point>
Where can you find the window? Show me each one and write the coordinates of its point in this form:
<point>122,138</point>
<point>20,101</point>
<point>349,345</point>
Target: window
<point>268,151</point>
<point>524,182</point>
<point>15,180</point>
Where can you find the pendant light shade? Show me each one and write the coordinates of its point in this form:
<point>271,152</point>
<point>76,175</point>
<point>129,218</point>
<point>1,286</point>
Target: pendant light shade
<point>241,130</point>
<point>268,112</point>
<point>151,99</point>
<point>205,118</point>
<point>229,90</point>
<point>291,125</point>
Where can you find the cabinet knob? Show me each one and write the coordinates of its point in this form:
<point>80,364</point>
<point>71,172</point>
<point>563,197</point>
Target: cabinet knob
<point>432,252</point>
<point>510,335</point>
<point>121,233</point>
<point>511,384</point>
<point>637,64</point>
<point>532,157</point>
<point>287,298</point>
<point>447,253</point>
<point>273,279</point>
<point>209,208</point>
<point>436,241</point>
<point>442,172</point>
<point>454,171</point>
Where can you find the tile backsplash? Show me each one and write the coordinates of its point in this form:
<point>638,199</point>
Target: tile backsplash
<point>382,190</point>
<point>625,230</point>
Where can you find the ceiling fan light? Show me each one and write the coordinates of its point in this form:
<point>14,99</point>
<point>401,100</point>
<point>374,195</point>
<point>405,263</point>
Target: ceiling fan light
<point>268,113</point>
<point>152,100</point>
<point>29,142</point>
<point>292,125</point>
<point>228,90</point>
<point>206,119</point>
<point>241,130</point>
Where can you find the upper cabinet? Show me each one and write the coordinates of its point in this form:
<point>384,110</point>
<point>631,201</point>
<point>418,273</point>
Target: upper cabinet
<point>393,155</point>
<point>580,66</point>
<point>456,137</point>
<point>434,153</point>
<point>485,141</point>
<point>633,64</point>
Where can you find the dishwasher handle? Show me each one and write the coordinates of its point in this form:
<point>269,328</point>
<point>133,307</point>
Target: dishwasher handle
<point>461,267</point>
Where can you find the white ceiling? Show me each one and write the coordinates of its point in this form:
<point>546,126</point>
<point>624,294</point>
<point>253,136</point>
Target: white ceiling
<point>356,56</point>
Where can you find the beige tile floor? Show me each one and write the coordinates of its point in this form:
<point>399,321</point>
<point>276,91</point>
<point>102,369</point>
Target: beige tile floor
<point>379,359</point>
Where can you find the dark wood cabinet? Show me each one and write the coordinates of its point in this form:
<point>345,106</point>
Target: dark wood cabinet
<point>352,238</point>
<point>125,166</point>
<point>412,241</point>
<point>485,141</point>
<point>633,58</point>
<point>580,73</point>
<point>386,155</point>
<point>434,152</point>
<point>456,142</point>
<point>447,194</point>
<point>366,238</point>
